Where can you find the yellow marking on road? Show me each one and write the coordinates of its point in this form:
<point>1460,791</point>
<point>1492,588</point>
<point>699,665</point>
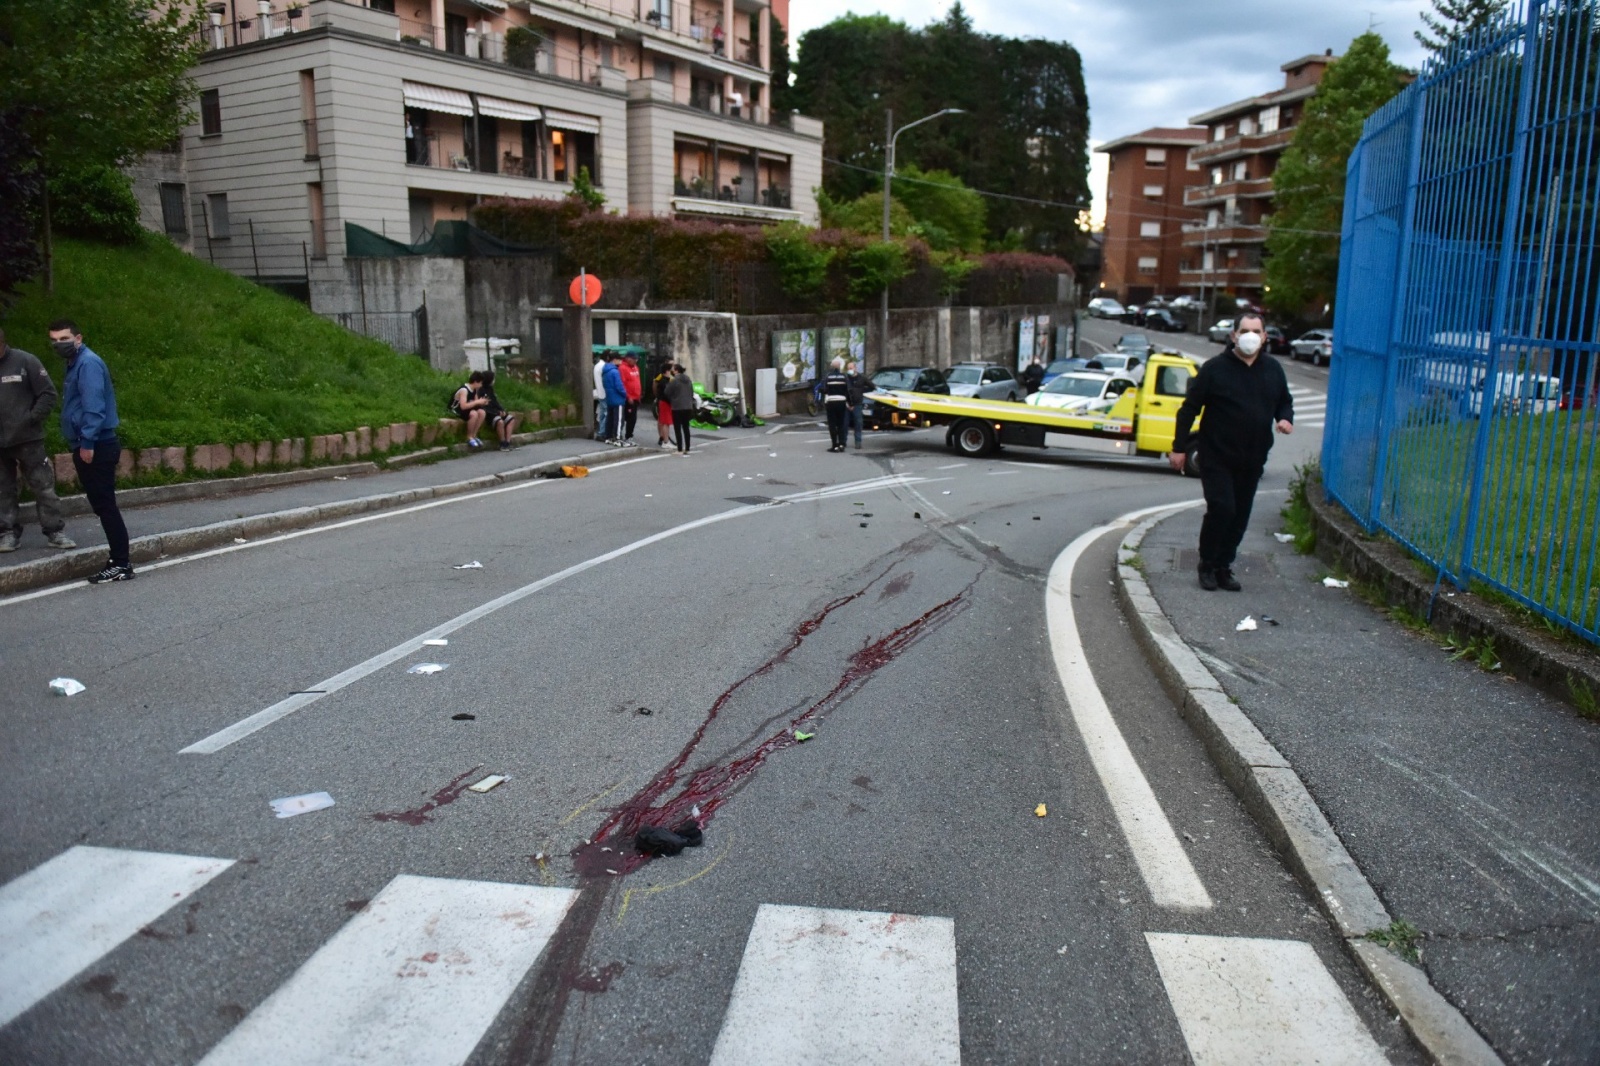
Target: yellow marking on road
<point>627,897</point>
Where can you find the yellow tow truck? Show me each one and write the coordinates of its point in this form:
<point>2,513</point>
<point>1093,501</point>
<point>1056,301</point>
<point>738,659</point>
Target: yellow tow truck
<point>1140,422</point>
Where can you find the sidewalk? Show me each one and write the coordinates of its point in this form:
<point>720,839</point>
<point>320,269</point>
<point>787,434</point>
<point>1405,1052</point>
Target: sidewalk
<point>1463,796</point>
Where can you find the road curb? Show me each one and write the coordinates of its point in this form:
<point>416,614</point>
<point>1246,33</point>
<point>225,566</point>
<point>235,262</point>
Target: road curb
<point>1278,800</point>
<point>80,563</point>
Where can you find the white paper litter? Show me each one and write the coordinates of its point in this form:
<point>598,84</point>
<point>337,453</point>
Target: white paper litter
<point>66,686</point>
<point>772,455</point>
<point>946,492</point>
<point>1246,625</point>
<point>1335,583</point>
<point>240,540</point>
<point>648,495</point>
<point>1284,538</point>
<point>427,668</point>
<point>340,477</point>
<point>487,783</point>
<point>290,806</point>
<point>731,477</point>
<point>436,642</point>
<point>474,565</point>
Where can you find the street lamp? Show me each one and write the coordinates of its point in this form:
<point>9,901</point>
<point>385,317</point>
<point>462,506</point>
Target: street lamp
<point>893,135</point>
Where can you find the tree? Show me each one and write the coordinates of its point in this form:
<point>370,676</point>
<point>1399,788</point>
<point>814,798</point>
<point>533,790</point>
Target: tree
<point>97,84</point>
<point>21,189</point>
<point>1302,268</point>
<point>1455,19</point>
<point>947,215</point>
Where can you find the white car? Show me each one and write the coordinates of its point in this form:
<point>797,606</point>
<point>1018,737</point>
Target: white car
<point>1105,307</point>
<point>986,381</point>
<point>1221,331</point>
<point>1082,390</point>
<point>1316,346</point>
<point>1118,364</point>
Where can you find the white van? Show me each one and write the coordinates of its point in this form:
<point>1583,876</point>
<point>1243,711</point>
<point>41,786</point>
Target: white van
<point>1519,394</point>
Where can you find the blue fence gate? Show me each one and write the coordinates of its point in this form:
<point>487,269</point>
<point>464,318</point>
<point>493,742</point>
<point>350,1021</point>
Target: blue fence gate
<point>1463,400</point>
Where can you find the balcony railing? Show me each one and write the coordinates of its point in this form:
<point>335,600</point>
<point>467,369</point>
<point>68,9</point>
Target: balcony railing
<point>313,150</point>
<point>1240,187</point>
<point>1241,145</point>
<point>1227,233</point>
<point>776,196</point>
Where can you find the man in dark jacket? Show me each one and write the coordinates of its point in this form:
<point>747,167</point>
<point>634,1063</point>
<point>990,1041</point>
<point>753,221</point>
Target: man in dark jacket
<point>856,388</point>
<point>1244,395</point>
<point>89,423</point>
<point>836,402</point>
<point>26,397</point>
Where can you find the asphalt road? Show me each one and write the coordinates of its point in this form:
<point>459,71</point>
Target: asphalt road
<point>881,892</point>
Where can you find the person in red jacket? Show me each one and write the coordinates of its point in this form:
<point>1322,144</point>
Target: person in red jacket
<point>635,390</point>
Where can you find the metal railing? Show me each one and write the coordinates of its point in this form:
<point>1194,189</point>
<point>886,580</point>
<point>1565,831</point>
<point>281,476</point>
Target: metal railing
<point>1462,407</point>
<point>404,331</point>
<point>740,193</point>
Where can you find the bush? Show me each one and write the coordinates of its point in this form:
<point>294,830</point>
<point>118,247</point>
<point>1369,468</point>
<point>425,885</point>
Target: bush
<point>522,47</point>
<point>801,261</point>
<point>874,267</point>
<point>95,203</point>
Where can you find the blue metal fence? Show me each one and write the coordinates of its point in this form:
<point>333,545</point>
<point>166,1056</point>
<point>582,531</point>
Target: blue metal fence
<point>1463,401</point>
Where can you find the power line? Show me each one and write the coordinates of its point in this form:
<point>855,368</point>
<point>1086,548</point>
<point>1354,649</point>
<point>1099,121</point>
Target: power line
<point>944,185</point>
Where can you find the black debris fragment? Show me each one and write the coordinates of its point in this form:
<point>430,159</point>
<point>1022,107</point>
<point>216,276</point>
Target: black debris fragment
<point>463,717</point>
<point>647,712</point>
<point>655,840</point>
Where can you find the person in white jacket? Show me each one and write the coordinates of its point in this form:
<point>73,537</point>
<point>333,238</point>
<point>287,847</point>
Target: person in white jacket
<point>600,406</point>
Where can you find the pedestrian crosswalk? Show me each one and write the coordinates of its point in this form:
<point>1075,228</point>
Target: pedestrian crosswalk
<point>1310,407</point>
<point>419,975</point>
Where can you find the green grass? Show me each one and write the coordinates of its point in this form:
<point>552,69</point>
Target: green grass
<point>199,356</point>
<point>1297,511</point>
<point>1402,938</point>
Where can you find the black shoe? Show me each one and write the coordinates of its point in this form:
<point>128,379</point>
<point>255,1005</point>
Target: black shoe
<point>1208,579</point>
<point>112,573</point>
<point>1226,580</point>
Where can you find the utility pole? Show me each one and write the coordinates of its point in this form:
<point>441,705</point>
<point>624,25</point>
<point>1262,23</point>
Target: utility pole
<point>890,135</point>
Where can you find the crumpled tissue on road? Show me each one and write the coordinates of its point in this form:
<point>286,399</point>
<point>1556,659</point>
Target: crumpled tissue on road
<point>1284,538</point>
<point>427,668</point>
<point>1335,583</point>
<point>474,565</point>
<point>290,806</point>
<point>1246,625</point>
<point>66,686</point>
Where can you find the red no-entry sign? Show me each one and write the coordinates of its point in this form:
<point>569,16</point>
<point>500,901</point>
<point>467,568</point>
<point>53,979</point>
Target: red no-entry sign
<point>584,290</point>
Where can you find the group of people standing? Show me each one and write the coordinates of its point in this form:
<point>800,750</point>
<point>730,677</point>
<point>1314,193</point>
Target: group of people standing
<point>618,390</point>
<point>843,391</point>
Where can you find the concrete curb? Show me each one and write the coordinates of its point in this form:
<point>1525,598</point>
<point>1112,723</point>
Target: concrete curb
<point>1524,651</point>
<point>78,564</point>
<point>1277,799</point>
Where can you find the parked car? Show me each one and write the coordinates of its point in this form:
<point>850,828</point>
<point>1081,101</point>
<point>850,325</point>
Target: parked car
<point>1185,303</point>
<point>1105,307</point>
<point>1221,331</point>
<point>986,381</point>
<point>1128,364</point>
<point>1056,367</point>
<point>1082,390</point>
<point>1136,343</point>
<point>903,379</point>
<point>1317,346</point>
<point>1277,343</point>
<point>1163,319</point>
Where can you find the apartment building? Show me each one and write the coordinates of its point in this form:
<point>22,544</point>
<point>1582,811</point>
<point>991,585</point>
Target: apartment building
<point>1243,141</point>
<point>1147,178</point>
<point>396,114</point>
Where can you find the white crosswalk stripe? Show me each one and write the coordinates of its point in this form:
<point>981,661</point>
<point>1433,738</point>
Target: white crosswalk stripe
<point>58,919</point>
<point>1243,1000</point>
<point>416,978</point>
<point>829,986</point>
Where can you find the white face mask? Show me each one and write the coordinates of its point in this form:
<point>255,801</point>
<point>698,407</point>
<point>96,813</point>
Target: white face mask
<point>1248,344</point>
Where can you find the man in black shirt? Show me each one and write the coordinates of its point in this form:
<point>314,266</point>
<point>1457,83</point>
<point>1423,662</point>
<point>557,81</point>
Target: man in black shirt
<point>1244,395</point>
<point>836,402</point>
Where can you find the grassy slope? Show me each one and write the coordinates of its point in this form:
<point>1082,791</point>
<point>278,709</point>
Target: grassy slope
<point>202,357</point>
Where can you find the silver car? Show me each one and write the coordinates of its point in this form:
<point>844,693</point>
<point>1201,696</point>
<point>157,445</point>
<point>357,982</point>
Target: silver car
<point>985,381</point>
<point>1222,331</point>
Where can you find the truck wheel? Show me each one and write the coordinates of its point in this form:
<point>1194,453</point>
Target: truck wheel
<point>973,437</point>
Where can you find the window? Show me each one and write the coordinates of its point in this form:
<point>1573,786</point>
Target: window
<point>210,113</point>
<point>455,34</point>
<point>1172,381</point>
<point>1155,157</point>
<point>1241,170</point>
<point>1269,119</point>
<point>1190,162</point>
<point>308,111</point>
<point>319,221</point>
<point>665,71</point>
<point>217,213</point>
<point>1148,264</point>
<point>1213,218</point>
<point>1149,229</point>
<point>1216,175</point>
<point>1219,132</point>
<point>1246,127</point>
<point>174,215</point>
<point>1154,192</point>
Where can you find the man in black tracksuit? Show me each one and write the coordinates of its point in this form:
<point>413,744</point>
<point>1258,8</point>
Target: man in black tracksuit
<point>1244,395</point>
<point>836,401</point>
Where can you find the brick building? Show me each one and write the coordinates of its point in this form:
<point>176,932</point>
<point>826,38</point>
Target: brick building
<point>1149,175</point>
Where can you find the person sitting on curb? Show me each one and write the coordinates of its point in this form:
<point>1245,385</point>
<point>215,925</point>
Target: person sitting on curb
<point>472,407</point>
<point>503,421</point>
<point>26,396</point>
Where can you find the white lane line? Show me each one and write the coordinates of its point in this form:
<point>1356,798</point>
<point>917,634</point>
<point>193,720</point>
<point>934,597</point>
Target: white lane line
<point>415,978</point>
<point>1162,861</point>
<point>57,919</point>
<point>312,693</point>
<point>950,466</point>
<point>821,986</point>
<point>162,564</point>
<point>749,447</point>
<point>1243,1000</point>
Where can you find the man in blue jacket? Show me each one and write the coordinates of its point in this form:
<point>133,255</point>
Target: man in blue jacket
<point>616,397</point>
<point>89,423</point>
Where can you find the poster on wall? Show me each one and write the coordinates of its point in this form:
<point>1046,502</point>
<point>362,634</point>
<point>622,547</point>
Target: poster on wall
<point>844,342</point>
<point>1024,344</point>
<point>1041,340</point>
<point>794,356</point>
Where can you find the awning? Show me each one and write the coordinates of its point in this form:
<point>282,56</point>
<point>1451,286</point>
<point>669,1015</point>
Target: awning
<point>433,98</point>
<point>577,22</point>
<point>495,107</point>
<point>566,120</point>
<point>496,6</point>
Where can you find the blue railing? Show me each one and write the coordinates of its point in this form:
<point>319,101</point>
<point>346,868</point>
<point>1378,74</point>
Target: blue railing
<point>1465,415</point>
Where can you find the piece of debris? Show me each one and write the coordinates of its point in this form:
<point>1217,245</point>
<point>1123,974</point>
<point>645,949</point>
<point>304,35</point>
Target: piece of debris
<point>647,712</point>
<point>803,737</point>
<point>1271,621</point>
<point>487,783</point>
<point>474,565</point>
<point>1062,950</point>
<point>1283,538</point>
<point>946,492</point>
<point>290,806</point>
<point>66,686</point>
<point>656,840</point>
<point>916,514</point>
<point>863,525</point>
<point>463,717</point>
<point>1040,811</point>
<point>1036,518</point>
<point>772,455</point>
<point>1245,625</point>
<point>427,668</point>
<point>648,495</point>
<point>240,540</point>
<point>340,477</point>
<point>436,642</point>
<point>731,477</point>
<point>1335,583</point>
<point>574,470</point>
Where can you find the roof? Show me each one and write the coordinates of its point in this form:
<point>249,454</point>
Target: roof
<point>1251,103</point>
<point>1315,57</point>
<point>1179,136</point>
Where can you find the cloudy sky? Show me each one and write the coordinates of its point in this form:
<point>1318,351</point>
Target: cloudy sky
<point>1156,62</point>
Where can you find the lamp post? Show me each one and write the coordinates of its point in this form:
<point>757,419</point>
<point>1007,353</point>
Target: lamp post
<point>890,136</point>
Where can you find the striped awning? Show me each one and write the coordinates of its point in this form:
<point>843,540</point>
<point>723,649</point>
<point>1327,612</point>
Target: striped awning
<point>495,107</point>
<point>434,98</point>
<point>566,120</point>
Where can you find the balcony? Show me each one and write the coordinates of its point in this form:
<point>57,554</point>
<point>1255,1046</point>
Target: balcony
<point>1233,232</point>
<point>736,192</point>
<point>1249,188</point>
<point>1247,144</point>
